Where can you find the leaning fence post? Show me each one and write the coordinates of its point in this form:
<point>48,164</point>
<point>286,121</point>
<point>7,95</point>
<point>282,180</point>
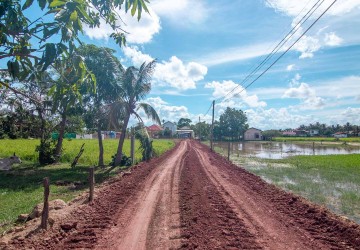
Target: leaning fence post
<point>91,184</point>
<point>45,212</point>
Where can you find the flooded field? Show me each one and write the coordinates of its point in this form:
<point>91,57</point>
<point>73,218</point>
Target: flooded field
<point>280,150</point>
<point>327,174</point>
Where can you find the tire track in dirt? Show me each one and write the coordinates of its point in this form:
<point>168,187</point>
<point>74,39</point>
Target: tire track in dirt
<point>279,220</point>
<point>151,220</point>
<point>207,221</point>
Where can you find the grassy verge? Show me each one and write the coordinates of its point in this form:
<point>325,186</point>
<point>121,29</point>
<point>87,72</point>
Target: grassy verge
<point>21,188</point>
<point>26,149</point>
<point>329,180</point>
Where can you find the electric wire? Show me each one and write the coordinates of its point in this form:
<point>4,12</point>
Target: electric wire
<point>286,38</point>
<point>316,20</point>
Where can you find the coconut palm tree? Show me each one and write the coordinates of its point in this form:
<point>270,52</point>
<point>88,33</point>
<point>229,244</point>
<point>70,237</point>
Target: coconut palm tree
<point>135,85</point>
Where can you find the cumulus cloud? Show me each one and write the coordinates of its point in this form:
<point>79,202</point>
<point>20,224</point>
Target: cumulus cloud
<point>290,67</point>
<point>139,32</point>
<point>331,39</point>
<point>136,56</point>
<point>305,93</point>
<point>177,74</point>
<point>293,8</point>
<point>173,73</point>
<point>309,44</point>
<point>240,95</point>
<point>173,113</point>
<point>184,12</point>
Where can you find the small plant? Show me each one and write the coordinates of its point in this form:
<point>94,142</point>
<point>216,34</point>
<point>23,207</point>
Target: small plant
<point>46,151</point>
<point>146,146</point>
<point>125,160</point>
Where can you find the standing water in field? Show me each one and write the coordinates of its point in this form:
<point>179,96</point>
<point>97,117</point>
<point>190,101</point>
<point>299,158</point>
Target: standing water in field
<point>279,150</point>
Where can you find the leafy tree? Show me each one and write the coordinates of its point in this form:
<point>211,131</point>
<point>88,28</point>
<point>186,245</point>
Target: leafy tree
<point>70,77</point>
<point>36,43</point>
<point>102,63</point>
<point>233,123</point>
<point>202,129</point>
<point>135,85</point>
<point>184,122</point>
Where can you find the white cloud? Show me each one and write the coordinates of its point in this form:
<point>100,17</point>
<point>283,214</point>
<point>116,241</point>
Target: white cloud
<point>305,93</point>
<point>173,73</point>
<point>290,67</point>
<point>184,12</point>
<point>173,113</point>
<point>275,118</point>
<point>177,74</point>
<point>307,45</point>
<point>239,96</point>
<point>293,8</point>
<point>234,54</point>
<point>331,39</point>
<point>139,32</point>
<point>136,56</point>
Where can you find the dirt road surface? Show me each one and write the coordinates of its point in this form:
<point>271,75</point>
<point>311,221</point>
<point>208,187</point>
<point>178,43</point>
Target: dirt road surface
<point>192,198</point>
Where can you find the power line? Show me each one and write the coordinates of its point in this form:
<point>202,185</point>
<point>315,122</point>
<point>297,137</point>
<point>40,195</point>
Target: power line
<point>323,13</point>
<point>286,38</point>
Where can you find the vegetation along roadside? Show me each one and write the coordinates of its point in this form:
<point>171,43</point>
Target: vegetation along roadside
<point>21,188</point>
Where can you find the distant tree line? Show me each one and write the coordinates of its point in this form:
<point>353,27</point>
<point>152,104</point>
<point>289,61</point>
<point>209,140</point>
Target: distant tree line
<point>323,129</point>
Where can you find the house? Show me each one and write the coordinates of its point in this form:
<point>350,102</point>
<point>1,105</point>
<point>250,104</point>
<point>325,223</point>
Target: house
<point>288,133</point>
<point>185,133</point>
<point>314,132</point>
<point>300,132</point>
<point>154,130</point>
<point>170,126</point>
<point>340,135</point>
<point>253,134</point>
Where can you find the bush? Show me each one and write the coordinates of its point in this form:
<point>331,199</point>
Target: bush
<point>125,160</point>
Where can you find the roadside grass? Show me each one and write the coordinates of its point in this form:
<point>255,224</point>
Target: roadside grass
<point>319,139</point>
<point>21,188</point>
<point>329,180</point>
<point>25,149</point>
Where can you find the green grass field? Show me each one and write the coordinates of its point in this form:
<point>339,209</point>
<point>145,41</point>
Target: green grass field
<point>21,188</point>
<point>26,149</point>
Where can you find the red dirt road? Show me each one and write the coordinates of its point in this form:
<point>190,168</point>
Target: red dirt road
<point>193,198</point>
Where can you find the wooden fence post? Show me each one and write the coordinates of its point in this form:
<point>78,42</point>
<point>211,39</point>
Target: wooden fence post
<point>91,184</point>
<point>229,151</point>
<point>45,212</point>
<point>132,149</point>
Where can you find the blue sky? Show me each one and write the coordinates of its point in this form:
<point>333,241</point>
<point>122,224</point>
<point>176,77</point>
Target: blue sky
<point>205,48</point>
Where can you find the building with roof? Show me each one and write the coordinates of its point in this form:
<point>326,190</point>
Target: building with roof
<point>154,130</point>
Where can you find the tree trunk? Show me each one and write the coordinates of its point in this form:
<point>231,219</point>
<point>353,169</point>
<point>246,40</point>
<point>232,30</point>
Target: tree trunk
<point>101,147</point>
<point>61,137</point>
<point>121,141</point>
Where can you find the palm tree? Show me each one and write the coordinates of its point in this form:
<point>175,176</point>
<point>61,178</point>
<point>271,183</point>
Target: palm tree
<point>135,85</point>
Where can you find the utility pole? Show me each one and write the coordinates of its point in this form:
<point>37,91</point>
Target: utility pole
<point>212,126</point>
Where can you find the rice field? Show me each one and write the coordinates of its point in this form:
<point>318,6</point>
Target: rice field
<point>332,181</point>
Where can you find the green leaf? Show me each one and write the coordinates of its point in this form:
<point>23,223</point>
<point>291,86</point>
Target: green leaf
<point>56,3</point>
<point>42,4</point>
<point>27,4</point>
<point>74,16</point>
<point>133,10</point>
